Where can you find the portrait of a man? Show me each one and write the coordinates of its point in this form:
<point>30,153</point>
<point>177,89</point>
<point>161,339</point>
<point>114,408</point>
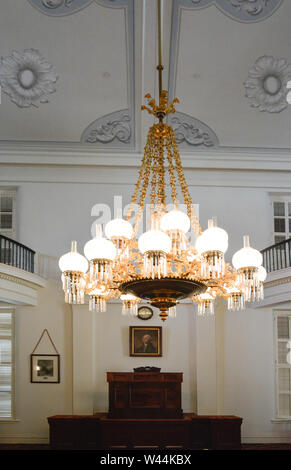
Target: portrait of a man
<point>145,341</point>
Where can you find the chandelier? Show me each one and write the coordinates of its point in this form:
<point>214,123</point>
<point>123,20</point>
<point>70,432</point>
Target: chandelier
<point>161,266</point>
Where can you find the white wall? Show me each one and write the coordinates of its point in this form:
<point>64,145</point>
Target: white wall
<point>112,350</point>
<point>50,214</point>
<point>35,402</point>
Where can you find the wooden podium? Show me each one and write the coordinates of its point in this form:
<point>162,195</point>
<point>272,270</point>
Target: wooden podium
<point>145,394</point>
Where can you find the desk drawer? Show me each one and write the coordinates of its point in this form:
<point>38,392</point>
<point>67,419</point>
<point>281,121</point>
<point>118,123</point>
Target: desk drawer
<point>122,377</point>
<point>147,378</point>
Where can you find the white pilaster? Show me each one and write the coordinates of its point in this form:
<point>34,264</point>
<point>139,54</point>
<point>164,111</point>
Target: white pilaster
<point>206,366</point>
<point>83,376</point>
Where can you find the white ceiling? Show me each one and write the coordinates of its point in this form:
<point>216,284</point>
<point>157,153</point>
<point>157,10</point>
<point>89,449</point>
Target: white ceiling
<point>91,54</point>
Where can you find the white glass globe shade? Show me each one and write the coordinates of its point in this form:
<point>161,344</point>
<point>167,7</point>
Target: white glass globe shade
<point>247,258</point>
<point>262,274</point>
<point>154,240</point>
<point>118,228</point>
<point>206,296</point>
<point>99,248</point>
<point>97,292</point>
<point>73,261</point>
<point>175,220</point>
<point>128,297</point>
<point>212,239</point>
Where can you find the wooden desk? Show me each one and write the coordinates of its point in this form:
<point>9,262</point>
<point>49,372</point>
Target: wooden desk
<point>145,394</point>
<point>101,432</point>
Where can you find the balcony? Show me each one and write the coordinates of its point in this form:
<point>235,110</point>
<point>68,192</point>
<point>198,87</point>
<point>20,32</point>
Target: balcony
<point>15,254</point>
<point>277,261</point>
<point>18,282</point>
<point>277,256</point>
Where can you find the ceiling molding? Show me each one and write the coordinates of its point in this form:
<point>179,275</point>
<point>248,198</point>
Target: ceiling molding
<point>78,155</point>
<point>189,130</point>
<point>244,11</point>
<point>241,10</point>
<point>115,130</point>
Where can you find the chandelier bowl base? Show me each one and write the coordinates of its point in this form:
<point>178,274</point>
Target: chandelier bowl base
<point>163,293</point>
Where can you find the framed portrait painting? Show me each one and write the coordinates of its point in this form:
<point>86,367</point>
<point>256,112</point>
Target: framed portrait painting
<point>45,368</point>
<point>145,341</point>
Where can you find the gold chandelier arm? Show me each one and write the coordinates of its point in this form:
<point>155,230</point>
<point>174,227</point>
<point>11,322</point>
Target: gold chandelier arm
<point>196,227</point>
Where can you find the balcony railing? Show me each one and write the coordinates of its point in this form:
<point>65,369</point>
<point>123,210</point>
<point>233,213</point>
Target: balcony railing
<point>15,254</point>
<point>277,256</point>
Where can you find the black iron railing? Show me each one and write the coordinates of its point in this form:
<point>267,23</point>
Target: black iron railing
<point>15,254</point>
<point>277,256</point>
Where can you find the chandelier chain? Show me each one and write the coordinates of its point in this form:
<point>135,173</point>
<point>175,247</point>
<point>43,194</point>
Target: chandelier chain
<point>172,173</point>
<point>162,184</point>
<point>145,184</point>
<point>137,187</point>
<point>184,188</point>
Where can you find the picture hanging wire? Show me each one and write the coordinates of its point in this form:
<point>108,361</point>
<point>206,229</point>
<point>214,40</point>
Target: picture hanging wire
<point>45,331</point>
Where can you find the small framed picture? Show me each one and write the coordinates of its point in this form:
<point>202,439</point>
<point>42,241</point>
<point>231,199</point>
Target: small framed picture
<point>145,341</point>
<point>45,368</point>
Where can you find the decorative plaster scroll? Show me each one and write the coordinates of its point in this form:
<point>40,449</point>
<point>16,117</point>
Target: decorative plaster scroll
<point>191,131</point>
<point>266,84</point>
<point>27,78</point>
<point>67,7</point>
<point>112,128</point>
<point>60,7</point>
<point>240,10</point>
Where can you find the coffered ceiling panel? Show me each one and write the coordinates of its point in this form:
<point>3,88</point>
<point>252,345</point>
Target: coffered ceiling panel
<point>87,53</point>
<point>218,60</point>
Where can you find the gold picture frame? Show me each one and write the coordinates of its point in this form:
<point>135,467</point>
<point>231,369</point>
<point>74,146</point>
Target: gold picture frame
<point>145,341</point>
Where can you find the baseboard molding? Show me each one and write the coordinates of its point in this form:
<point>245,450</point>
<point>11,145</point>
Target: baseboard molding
<point>267,440</point>
<point>22,439</point>
<point>33,439</point>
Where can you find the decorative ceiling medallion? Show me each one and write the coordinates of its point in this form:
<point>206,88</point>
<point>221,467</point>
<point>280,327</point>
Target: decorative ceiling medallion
<point>240,10</point>
<point>27,78</point>
<point>191,131</point>
<point>266,85</point>
<point>112,128</point>
<point>60,7</point>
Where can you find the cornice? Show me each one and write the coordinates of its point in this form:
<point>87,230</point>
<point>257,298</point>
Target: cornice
<point>228,158</point>
<point>277,282</point>
<point>19,276</point>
